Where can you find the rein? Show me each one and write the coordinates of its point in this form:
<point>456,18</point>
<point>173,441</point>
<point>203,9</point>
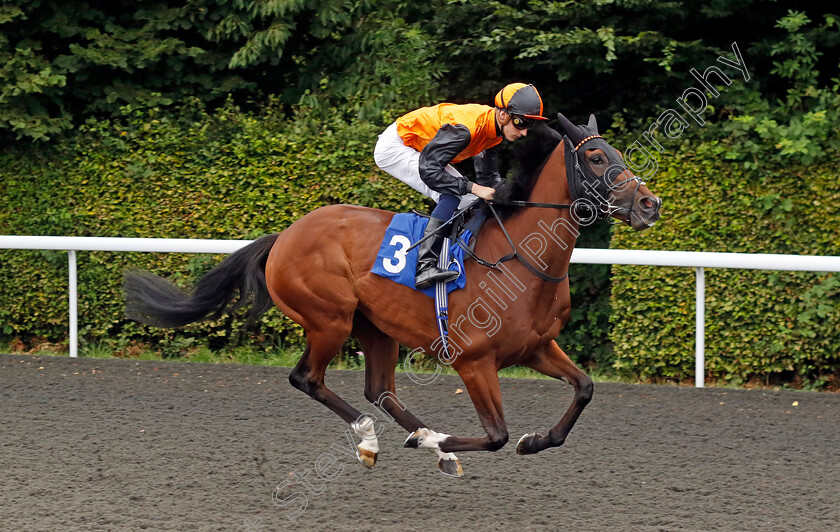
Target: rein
<point>515,255</point>
<point>528,266</point>
<point>517,203</point>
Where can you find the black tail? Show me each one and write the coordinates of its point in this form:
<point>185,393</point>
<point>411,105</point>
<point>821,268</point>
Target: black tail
<point>236,281</point>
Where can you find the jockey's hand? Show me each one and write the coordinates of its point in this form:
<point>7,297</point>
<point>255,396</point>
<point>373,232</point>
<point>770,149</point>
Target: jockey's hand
<point>485,193</point>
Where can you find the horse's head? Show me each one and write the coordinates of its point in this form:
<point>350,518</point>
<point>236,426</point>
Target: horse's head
<point>600,183</point>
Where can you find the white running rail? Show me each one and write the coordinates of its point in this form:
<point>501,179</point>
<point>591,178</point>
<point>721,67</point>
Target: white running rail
<point>686,259</point>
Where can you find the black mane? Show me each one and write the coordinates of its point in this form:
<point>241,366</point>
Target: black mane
<point>526,159</point>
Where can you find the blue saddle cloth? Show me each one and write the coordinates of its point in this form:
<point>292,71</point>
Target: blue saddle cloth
<point>392,261</point>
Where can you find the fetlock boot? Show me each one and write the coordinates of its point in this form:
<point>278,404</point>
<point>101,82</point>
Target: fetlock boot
<point>428,274</point>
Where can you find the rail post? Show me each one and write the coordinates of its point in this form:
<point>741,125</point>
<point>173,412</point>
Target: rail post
<point>700,329</point>
<point>74,308</point>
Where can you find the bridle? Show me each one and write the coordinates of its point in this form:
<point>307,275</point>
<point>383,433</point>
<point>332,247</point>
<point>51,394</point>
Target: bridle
<point>578,176</point>
<point>596,200</point>
<point>595,191</point>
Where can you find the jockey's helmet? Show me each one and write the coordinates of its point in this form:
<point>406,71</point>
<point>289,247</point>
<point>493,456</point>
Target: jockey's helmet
<point>522,102</point>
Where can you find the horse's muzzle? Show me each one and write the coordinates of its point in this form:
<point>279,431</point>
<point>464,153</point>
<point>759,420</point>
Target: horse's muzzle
<point>646,212</point>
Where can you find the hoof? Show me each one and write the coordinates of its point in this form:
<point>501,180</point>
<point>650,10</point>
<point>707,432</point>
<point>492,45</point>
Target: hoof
<point>528,444</point>
<point>415,438</point>
<point>451,467</point>
<point>366,457</point>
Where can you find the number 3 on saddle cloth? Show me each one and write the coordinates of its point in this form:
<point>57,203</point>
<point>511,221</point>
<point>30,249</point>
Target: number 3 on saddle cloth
<point>396,262</point>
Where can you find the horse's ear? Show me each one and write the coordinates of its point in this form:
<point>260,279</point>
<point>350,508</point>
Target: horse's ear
<point>592,124</point>
<point>567,127</point>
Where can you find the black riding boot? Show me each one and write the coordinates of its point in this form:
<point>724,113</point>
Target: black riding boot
<point>428,274</point>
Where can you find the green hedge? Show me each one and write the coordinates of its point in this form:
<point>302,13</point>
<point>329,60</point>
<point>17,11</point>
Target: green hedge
<point>226,175</point>
<point>761,326</point>
<point>230,174</point>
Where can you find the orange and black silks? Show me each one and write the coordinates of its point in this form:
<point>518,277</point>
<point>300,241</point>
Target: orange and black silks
<point>449,133</point>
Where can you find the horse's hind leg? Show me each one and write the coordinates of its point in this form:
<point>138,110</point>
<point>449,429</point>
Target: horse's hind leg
<point>381,358</point>
<point>308,376</point>
<point>552,361</point>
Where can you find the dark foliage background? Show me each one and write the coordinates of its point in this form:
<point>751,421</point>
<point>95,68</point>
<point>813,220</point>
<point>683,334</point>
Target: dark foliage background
<point>206,119</point>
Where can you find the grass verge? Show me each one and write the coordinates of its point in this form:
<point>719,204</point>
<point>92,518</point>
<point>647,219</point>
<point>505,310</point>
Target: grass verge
<point>278,356</point>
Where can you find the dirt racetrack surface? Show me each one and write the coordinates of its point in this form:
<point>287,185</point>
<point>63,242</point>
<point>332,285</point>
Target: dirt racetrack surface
<point>125,445</point>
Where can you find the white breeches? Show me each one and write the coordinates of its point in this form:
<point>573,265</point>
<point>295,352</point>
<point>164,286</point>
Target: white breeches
<point>402,162</point>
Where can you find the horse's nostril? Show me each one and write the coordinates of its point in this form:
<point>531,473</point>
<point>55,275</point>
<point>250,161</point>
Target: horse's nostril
<point>650,203</point>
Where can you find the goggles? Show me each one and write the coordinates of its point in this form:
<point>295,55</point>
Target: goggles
<point>520,122</point>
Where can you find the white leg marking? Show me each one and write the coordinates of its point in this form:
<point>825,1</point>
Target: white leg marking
<point>429,439</point>
<point>366,431</point>
<point>445,456</point>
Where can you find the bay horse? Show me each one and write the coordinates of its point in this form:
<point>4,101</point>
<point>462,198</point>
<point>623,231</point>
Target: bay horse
<point>318,272</point>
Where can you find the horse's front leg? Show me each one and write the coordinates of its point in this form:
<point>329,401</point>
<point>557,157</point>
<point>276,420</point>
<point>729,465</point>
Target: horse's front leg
<point>483,386</point>
<point>552,361</point>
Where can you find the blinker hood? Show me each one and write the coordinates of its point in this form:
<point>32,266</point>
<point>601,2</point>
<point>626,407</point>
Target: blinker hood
<point>583,183</point>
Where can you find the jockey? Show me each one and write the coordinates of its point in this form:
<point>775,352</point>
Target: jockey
<point>419,147</point>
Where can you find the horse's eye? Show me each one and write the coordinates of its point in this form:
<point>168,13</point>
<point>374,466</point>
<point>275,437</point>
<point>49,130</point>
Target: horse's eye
<point>596,160</point>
